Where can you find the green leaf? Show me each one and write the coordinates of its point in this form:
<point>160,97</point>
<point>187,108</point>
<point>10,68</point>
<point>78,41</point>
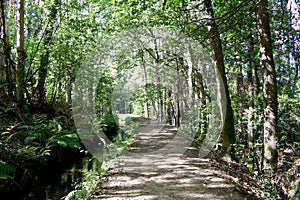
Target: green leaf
<point>6,170</point>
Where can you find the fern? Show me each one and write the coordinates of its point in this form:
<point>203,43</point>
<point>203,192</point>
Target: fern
<point>34,141</point>
<point>6,170</point>
<point>64,140</point>
<point>37,132</point>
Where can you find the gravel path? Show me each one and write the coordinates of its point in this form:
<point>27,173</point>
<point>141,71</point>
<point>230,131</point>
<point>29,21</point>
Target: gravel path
<point>154,168</point>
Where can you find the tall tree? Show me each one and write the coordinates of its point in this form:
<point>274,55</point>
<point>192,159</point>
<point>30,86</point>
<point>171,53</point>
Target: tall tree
<point>240,93</point>
<point>228,131</point>
<point>49,32</point>
<point>2,37</point>
<point>250,127</point>
<point>146,104</point>
<point>269,87</point>
<point>3,63</point>
<point>20,68</point>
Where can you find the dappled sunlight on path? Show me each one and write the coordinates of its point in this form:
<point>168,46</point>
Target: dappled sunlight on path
<point>145,173</point>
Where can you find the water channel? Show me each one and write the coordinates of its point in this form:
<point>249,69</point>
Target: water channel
<point>55,185</point>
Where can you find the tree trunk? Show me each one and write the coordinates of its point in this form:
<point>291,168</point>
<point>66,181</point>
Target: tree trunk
<point>267,64</point>
<point>146,104</point>
<point>68,86</point>
<point>3,51</point>
<point>161,108</point>
<point>45,55</point>
<point>2,43</point>
<point>240,108</point>
<point>203,124</point>
<point>195,83</point>
<point>240,97</point>
<point>228,132</point>
<point>169,107</point>
<point>190,75</point>
<point>20,68</point>
<point>250,125</point>
<point>178,116</point>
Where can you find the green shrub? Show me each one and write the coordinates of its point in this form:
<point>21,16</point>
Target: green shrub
<point>6,170</point>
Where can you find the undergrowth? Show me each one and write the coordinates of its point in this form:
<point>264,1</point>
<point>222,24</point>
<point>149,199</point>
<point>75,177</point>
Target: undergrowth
<point>91,180</point>
<point>27,147</point>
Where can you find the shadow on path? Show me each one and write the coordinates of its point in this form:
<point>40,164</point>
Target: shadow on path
<point>148,171</point>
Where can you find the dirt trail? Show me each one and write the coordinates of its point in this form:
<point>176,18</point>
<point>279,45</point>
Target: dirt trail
<point>148,171</point>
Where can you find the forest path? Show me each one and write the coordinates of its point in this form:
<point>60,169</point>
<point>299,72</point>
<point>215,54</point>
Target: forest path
<point>148,171</point>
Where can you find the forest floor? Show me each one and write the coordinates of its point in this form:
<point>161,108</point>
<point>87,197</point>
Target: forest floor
<point>153,168</point>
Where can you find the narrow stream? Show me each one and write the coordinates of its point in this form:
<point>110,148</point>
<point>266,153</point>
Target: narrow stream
<point>57,186</point>
<point>57,183</point>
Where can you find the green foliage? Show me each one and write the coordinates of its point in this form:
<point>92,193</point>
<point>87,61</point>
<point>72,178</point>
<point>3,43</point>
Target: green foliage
<point>131,126</point>
<point>103,96</point>
<point>289,123</point>
<point>6,170</point>
<point>44,133</point>
<point>32,145</point>
<point>294,192</point>
<point>92,179</point>
<point>270,190</point>
<point>85,188</point>
<point>79,28</point>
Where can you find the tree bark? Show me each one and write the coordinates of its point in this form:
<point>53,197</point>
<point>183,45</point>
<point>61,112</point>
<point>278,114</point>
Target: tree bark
<point>146,104</point>
<point>20,68</point>
<point>161,107</point>
<point>250,125</point>
<point>203,124</point>
<point>2,36</point>
<point>68,86</point>
<point>7,62</point>
<point>228,131</point>
<point>240,106</point>
<point>45,55</point>
<point>2,42</point>
<point>267,64</point>
<point>178,116</point>
<point>169,107</point>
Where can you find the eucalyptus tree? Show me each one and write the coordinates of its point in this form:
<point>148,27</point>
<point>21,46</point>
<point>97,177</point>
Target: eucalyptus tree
<point>20,67</point>
<point>228,132</point>
<point>44,62</point>
<point>7,82</point>
<point>269,87</point>
<point>285,33</point>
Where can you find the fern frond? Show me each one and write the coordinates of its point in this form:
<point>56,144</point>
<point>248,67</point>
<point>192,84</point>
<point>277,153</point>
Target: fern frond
<point>6,170</point>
